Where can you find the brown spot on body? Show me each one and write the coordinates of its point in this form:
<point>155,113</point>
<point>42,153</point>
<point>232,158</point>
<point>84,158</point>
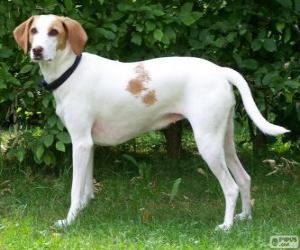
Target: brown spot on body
<point>138,85</point>
<point>142,74</point>
<point>135,86</point>
<point>150,97</point>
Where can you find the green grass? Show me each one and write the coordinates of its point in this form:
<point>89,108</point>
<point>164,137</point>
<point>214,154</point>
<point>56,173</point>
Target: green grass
<point>134,212</point>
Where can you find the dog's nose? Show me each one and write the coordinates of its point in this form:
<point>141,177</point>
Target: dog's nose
<point>37,51</point>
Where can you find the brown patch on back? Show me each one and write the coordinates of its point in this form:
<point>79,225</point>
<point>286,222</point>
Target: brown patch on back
<point>62,36</point>
<point>138,85</point>
<point>135,86</point>
<point>142,74</point>
<point>150,98</point>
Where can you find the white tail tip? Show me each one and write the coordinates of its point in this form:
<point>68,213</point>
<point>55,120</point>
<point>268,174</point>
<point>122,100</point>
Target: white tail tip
<point>275,130</point>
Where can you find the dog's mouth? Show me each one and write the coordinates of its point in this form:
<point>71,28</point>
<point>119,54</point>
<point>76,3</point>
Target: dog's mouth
<point>37,58</point>
<point>40,58</point>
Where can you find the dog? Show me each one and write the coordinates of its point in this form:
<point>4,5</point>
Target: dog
<point>106,102</point>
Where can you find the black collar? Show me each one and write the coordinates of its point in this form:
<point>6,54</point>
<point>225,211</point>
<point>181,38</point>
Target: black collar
<point>59,81</point>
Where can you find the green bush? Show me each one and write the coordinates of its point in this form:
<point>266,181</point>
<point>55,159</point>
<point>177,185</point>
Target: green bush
<point>259,39</point>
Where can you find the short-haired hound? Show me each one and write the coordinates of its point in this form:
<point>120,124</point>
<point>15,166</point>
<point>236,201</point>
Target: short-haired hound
<point>106,102</point>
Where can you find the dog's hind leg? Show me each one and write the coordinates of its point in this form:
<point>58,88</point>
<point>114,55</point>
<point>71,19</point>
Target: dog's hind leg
<point>89,186</point>
<point>240,175</point>
<point>209,136</point>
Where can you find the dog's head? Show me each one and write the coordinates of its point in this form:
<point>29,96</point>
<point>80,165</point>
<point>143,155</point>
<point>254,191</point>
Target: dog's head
<point>45,36</point>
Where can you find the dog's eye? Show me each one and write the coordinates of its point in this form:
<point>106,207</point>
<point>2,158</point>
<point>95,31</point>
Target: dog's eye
<point>33,31</point>
<point>53,32</point>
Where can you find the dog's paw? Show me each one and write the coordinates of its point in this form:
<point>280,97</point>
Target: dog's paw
<point>223,227</point>
<point>243,216</point>
<point>61,223</point>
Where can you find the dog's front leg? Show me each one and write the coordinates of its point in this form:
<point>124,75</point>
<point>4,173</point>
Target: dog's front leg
<point>82,150</point>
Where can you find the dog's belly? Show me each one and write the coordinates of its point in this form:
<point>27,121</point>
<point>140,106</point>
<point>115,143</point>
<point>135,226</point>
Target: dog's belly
<point>107,134</point>
<point>113,133</point>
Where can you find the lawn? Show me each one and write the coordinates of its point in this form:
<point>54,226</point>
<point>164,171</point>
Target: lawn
<point>137,206</point>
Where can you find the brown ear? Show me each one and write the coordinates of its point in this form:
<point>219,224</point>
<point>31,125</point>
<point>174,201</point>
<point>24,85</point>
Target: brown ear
<point>76,34</point>
<point>21,34</point>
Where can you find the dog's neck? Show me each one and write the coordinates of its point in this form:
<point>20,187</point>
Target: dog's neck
<point>53,69</point>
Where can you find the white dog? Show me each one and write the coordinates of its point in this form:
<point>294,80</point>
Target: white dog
<point>107,102</point>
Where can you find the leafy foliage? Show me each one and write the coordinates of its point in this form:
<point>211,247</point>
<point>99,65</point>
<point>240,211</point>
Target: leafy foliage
<point>259,39</point>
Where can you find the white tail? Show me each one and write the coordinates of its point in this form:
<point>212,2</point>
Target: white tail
<point>266,127</point>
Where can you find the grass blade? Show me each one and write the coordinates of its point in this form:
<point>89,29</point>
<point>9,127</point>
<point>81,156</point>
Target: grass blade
<point>175,189</point>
